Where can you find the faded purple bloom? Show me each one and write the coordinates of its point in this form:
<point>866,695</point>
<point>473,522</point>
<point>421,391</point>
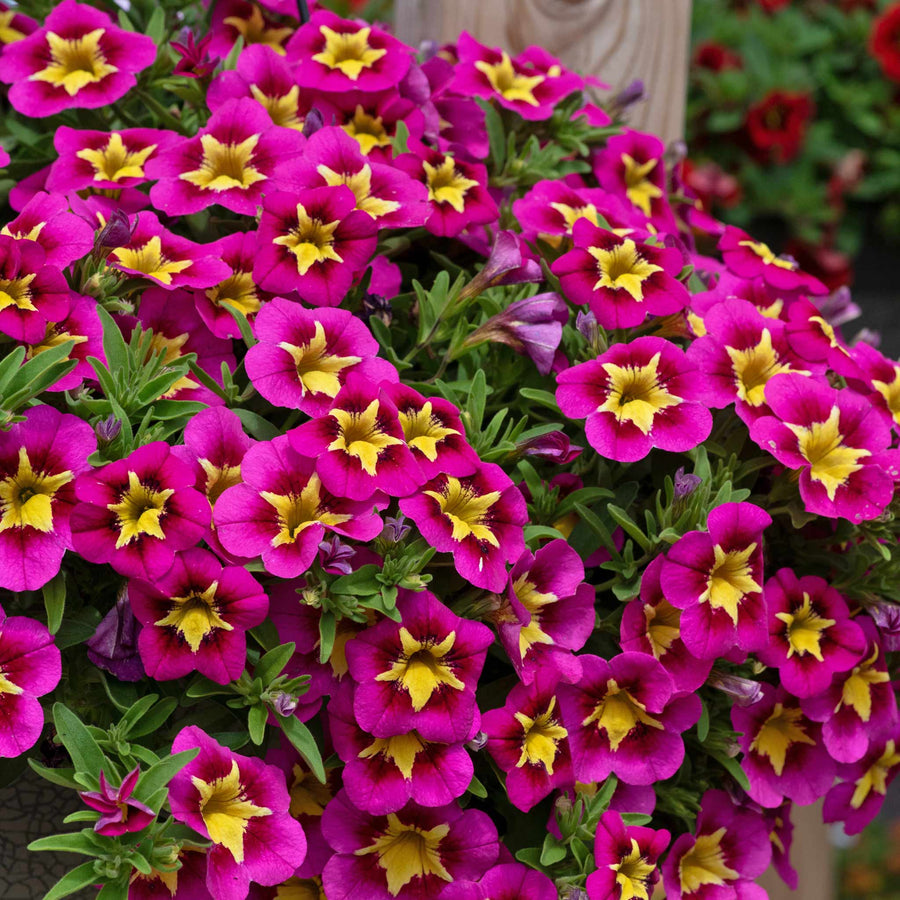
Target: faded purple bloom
<point>628,96</point>
<point>745,691</point>
<point>838,308</point>
<point>313,122</point>
<point>116,233</point>
<point>119,814</point>
<point>395,528</point>
<point>587,325</point>
<point>285,704</point>
<point>107,430</point>
<point>685,483</point>
<point>887,617</point>
<point>554,447</point>
<point>114,646</point>
<point>335,556</point>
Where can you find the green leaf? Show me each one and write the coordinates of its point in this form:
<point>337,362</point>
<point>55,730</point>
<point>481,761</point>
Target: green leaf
<point>628,526</point>
<point>703,723</point>
<point>734,769</point>
<point>476,788</point>
<point>114,890</point>
<point>156,27</point>
<point>81,815</point>
<point>542,398</point>
<point>327,633</point>
<point>55,601</point>
<point>270,664</point>
<point>136,711</point>
<point>636,818</point>
<point>400,142</point>
<point>62,777</point>
<point>358,583</point>
<point>242,323</point>
<point>477,400</point>
<point>531,856</point>
<point>256,723</point>
<point>118,359</point>
<point>9,366</point>
<point>84,842</point>
<point>79,878</point>
<point>86,754</point>
<point>304,743</point>
<point>552,851</point>
<point>161,773</point>
<point>258,427</point>
<point>496,135</point>
<point>154,720</point>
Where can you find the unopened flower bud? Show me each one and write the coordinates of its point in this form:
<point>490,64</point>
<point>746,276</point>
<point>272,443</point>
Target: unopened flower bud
<point>395,528</point>
<point>553,447</point>
<point>313,122</point>
<point>479,742</point>
<point>284,704</point>
<point>744,690</point>
<point>116,232</point>
<point>107,430</point>
<point>629,95</point>
<point>685,484</point>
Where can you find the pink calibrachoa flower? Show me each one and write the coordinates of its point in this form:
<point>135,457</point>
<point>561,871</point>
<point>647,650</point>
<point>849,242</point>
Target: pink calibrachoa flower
<point>859,707</point>
<point>232,19</point>
<point>78,59</point>
<point>784,756</point>
<point>623,280</point>
<point>626,857</point>
<point>506,881</point>
<point>811,635</point>
<point>304,356</point>
<point>381,775</point>
<point>14,26</point>
<point>315,242</point>
<point>625,717</point>
<point>241,805</point>
<point>281,510</point>
<point>729,850</point>
<point>530,85</point>
<point>882,376</point>
<point>195,60</point>
<point>420,673</point>
<point>837,439</point>
<point>457,190</point>
<point>716,578</point>
<point>411,854</point>
<point>433,431</point>
<point>167,259</point>
<point>478,518</point>
<point>137,512</point>
<point>749,259</point>
<point>371,120</point>
<point>32,293</point>
<point>812,337</point>
<point>46,220</point>
<point>104,160</point>
<point>335,55</point>
<point>358,444</point>
<point>196,617</point>
<point>741,350</point>
<point>528,741</point>
<point>637,396</point>
<point>119,813</point>
<point>390,196</point>
<point>39,460</point>
<point>30,666</point>
<point>546,613</point>
<point>650,624</point>
<point>859,795</point>
<point>236,158</point>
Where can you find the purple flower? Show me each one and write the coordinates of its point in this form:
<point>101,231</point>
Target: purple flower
<point>119,814</point>
<point>335,556</point>
<point>114,646</point>
<point>685,484</point>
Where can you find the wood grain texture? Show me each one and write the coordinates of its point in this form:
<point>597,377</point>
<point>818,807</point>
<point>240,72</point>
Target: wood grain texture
<point>615,40</point>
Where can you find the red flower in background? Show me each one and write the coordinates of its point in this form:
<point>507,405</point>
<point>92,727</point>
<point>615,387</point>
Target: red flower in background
<point>884,42</point>
<point>776,126</point>
<point>716,57</point>
<point>712,184</point>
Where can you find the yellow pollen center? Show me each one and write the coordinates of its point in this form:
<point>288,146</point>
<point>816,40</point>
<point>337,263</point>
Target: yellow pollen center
<point>768,257</point>
<point>115,161</point>
<point>639,189</point>
<point>297,513</point>
<point>54,338</point>
<point>406,852</point>
<point>857,689</point>
<point>832,462</point>
<point>361,184</point>
<point>311,241</point>
<point>360,435</point>
<point>704,863</point>
<point>533,601</point>
<point>423,430</point>
<point>875,777</point>
<point>218,478</point>
<point>633,874</point>
<point>26,496</point>
<point>730,580</point>
<point>446,184</point>
<point>139,510</point>
<point>7,686</point>
<point>75,63</point>
<point>225,166</point>
<point>663,626</point>
<point>635,394</point>
<point>348,51</point>
<point>508,83</point>
<point>238,290</point>
<point>226,811</point>
<point>283,109</point>
<point>401,750</point>
<point>779,733</point>
<point>618,714</point>
<point>309,796</point>
<point>150,261</point>
<point>754,366</point>
<point>195,616</point>
<point>318,369</point>
<point>368,130</point>
<point>623,268</point>
<point>467,511</point>
<point>17,292</point>
<point>804,629</point>
<point>255,30</point>
<point>571,214</point>
<point>422,668</point>
<point>541,736</point>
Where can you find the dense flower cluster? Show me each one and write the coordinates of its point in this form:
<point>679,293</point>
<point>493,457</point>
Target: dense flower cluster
<point>403,411</point>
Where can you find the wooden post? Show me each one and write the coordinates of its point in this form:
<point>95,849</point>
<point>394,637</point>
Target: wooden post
<point>615,40</point>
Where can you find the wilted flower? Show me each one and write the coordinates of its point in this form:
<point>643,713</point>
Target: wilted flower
<point>114,645</point>
<point>120,812</point>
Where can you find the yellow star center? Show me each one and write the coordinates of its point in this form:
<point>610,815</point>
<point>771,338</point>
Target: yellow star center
<point>348,51</point>
<point>422,668</point>
<point>54,338</point>
<point>26,496</point>
<point>17,292</point>
<point>139,510</point>
<point>541,736</point>
<point>663,626</point>
<point>730,580</point>
<point>619,713</point>
<point>571,214</point>
<point>468,512</point>
<point>779,733</point>
<point>767,255</point>
<point>225,166</point>
<point>890,390</point>
<point>623,268</point>
<point>309,796</point>
<point>150,261</point>
<point>875,777</point>
<point>283,109</point>
<point>401,750</point>
<point>508,83</point>
<point>424,430</point>
<point>8,34</point>
<point>361,184</point>
<point>368,130</point>
<point>633,874</point>
<point>255,30</point>
<point>533,601</point>
<point>75,63</point>
<point>635,394</point>
<point>446,184</point>
<point>804,629</point>
<point>297,513</point>
<point>311,241</point>
<point>704,863</point>
<point>238,290</point>
<point>754,366</point>
<point>195,616</point>
<point>639,189</point>
<point>857,689</point>
<point>218,478</point>
<point>115,161</point>
<point>361,435</point>
<point>318,369</point>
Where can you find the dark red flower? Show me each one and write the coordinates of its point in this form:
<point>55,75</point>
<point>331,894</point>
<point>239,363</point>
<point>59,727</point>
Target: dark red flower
<point>776,126</point>
<point>884,41</point>
<point>716,57</point>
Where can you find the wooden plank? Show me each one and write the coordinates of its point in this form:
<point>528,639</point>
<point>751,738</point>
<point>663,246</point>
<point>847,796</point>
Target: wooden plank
<point>615,40</point>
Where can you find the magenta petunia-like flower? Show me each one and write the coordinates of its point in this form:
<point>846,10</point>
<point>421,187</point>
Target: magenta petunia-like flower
<point>506,881</point>
<point>32,293</point>
<point>528,741</point>
<point>137,512</point>
<point>784,755</point>
<point>359,445</point>
<point>546,613</point>
<point>650,624</point>
<point>626,857</point>
<point>304,356</point>
<point>335,55</point>
<point>236,158</point>
<point>411,854</point>
<point>837,439</point>
<point>637,396</point>
<point>716,578</point>
<point>550,209</point>
<point>78,59</point>
<point>196,617</point>
<point>749,259</point>
<point>622,280</point>
<point>882,376</point>
<point>419,673</point>
<point>313,241</point>
<point>811,635</point>
<point>165,258</point>
<point>530,85</point>
<point>281,510</point>
<point>242,806</point>
<point>104,160</point>
<point>478,518</point>
<point>188,881</point>
<point>119,812</point>
<point>624,717</point>
<point>729,850</point>
<point>46,220</point>
<point>382,774</point>
<point>30,666</point>
<point>40,459</point>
